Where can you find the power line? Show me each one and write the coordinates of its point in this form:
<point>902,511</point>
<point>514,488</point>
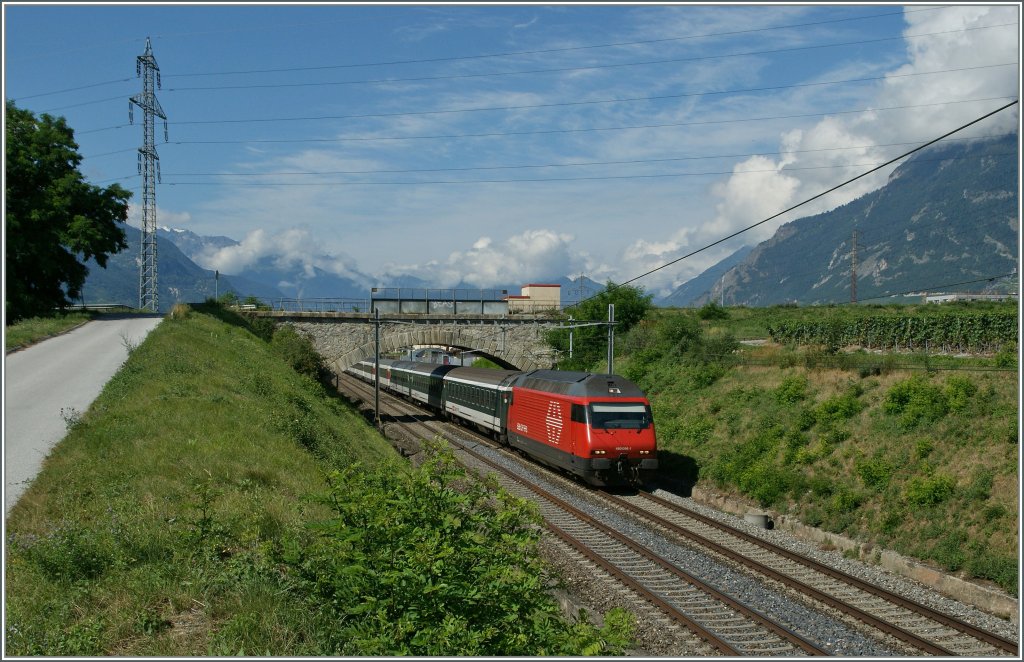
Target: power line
<point>811,199</point>
<point>552,165</point>
<point>773,88</point>
<point>491,181</point>
<point>503,134</point>
<point>554,105</point>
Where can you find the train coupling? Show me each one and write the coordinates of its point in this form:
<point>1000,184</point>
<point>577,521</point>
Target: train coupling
<point>627,471</point>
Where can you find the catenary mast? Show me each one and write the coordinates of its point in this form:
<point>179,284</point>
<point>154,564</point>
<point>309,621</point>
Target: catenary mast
<point>149,168</point>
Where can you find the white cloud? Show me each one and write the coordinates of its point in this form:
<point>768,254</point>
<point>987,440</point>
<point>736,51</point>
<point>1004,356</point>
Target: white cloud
<point>164,217</point>
<point>293,249</point>
<point>526,257</point>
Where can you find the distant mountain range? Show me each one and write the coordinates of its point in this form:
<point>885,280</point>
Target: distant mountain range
<point>179,279</point>
<point>945,221</point>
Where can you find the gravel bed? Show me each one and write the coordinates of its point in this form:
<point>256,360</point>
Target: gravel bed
<point>904,586</point>
<point>829,633</point>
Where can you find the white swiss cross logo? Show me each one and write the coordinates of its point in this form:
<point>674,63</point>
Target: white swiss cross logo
<point>554,422</point>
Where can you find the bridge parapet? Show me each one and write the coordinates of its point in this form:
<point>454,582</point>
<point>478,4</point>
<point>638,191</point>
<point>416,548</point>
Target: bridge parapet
<point>344,339</point>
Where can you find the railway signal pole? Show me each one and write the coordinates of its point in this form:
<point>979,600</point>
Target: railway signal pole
<point>376,367</point>
<point>149,168</point>
<point>611,337</point>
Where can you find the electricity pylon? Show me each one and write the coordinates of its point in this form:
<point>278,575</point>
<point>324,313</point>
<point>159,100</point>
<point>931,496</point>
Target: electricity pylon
<point>149,168</point>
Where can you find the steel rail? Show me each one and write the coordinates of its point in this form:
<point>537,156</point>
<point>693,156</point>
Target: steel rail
<point>635,586</point>
<point>639,549</point>
<point>911,605</point>
<point>871,620</point>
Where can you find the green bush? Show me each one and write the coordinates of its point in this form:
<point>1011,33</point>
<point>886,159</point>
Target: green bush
<point>678,335</point>
<point>875,472</point>
<point>844,501</point>
<point>767,483</point>
<point>696,431</point>
<point>994,567</point>
<point>929,490</point>
<point>433,564</point>
<point>951,550</point>
<point>712,311</point>
<point>923,448</point>
<point>914,401</point>
<point>838,408</point>
<point>298,352</point>
<point>959,391</point>
<point>793,389</point>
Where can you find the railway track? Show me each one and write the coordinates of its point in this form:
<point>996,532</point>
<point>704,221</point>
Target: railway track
<point>725,622</point>
<point>912,622</point>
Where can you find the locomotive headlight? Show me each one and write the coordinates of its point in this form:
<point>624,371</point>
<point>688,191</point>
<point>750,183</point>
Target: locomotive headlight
<point>645,452</point>
<point>599,452</point>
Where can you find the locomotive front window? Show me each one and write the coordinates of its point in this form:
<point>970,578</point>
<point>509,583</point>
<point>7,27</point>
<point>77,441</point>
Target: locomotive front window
<point>607,416</point>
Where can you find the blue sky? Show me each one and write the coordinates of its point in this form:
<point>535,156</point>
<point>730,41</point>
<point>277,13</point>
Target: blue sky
<point>516,143</point>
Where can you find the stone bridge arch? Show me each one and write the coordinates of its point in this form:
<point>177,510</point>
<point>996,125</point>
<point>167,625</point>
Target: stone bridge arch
<point>343,343</point>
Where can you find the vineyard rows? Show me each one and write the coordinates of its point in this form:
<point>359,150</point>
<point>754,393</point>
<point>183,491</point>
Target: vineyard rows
<point>972,332</point>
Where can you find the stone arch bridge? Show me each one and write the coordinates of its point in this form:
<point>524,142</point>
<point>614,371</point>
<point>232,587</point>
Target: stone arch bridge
<point>344,339</point>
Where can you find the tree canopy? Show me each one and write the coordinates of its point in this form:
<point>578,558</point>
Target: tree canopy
<point>590,343</point>
<point>55,220</point>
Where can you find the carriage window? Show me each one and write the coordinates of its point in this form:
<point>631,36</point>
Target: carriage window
<point>610,415</point>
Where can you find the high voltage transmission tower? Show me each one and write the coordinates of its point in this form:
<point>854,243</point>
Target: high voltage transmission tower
<point>149,168</point>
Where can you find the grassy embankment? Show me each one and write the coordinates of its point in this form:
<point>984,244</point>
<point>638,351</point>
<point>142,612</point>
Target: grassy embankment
<point>213,500</point>
<point>910,451</point>
<point>27,332</point>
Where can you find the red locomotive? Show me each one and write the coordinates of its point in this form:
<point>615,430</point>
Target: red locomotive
<point>598,427</point>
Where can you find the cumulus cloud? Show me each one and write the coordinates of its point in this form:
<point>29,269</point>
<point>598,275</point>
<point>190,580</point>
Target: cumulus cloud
<point>293,250</point>
<point>529,256</point>
<point>164,217</point>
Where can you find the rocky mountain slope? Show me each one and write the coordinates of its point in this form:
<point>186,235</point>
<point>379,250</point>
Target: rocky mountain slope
<point>946,221</point>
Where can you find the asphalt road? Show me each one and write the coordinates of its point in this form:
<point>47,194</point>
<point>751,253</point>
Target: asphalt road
<point>66,372</point>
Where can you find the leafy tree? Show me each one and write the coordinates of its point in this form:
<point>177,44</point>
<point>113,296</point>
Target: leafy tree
<point>590,343</point>
<point>55,220</point>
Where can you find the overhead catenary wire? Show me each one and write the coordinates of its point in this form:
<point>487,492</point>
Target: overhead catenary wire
<point>321,173</point>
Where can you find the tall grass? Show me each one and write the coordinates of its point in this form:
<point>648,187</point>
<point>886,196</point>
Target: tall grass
<point>187,512</point>
<point>26,332</point>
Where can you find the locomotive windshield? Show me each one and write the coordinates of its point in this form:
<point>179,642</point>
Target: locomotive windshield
<point>615,415</point>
